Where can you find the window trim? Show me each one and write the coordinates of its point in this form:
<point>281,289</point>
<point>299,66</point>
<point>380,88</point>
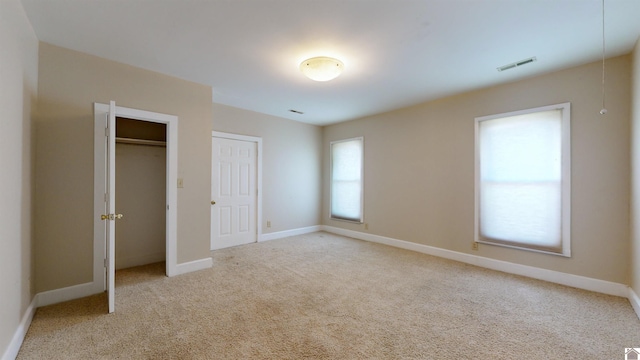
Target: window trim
<point>565,211</point>
<point>331,215</point>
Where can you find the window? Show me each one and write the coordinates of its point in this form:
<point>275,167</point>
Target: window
<point>346,179</point>
<point>523,179</point>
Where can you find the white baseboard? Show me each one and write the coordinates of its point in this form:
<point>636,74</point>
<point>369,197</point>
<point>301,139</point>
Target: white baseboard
<point>74,292</point>
<point>580,282</point>
<point>287,233</point>
<point>125,262</point>
<point>65,294</point>
<point>195,265</point>
<point>78,291</point>
<point>635,301</point>
<point>18,337</point>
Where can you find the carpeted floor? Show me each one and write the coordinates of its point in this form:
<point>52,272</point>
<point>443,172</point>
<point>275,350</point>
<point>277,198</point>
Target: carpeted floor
<point>322,296</point>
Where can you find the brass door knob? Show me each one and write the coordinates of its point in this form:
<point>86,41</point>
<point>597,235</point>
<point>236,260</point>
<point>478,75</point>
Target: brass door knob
<point>213,202</point>
<point>111,216</point>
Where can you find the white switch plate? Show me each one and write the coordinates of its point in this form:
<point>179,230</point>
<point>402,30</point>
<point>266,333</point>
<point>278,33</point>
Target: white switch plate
<point>180,183</point>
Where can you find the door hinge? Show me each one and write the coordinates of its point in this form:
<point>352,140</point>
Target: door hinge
<point>105,262</point>
<point>106,132</point>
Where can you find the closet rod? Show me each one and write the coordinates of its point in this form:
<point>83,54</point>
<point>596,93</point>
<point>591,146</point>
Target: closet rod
<point>123,140</point>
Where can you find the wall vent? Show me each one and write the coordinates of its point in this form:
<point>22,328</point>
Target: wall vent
<point>516,64</point>
<point>296,111</point>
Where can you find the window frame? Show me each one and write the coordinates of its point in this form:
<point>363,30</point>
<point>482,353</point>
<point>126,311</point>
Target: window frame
<point>331,181</point>
<point>565,187</point>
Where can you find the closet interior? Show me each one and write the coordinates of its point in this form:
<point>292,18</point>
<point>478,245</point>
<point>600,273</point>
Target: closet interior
<point>140,192</point>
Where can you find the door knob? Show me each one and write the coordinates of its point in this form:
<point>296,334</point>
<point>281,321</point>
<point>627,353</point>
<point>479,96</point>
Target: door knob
<point>213,202</point>
<point>111,216</point>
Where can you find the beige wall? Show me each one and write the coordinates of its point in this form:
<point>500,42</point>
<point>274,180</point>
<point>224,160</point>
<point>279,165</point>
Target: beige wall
<point>292,159</point>
<point>69,83</point>
<point>18,89</point>
<point>419,169</point>
<point>635,171</point>
<point>140,195</point>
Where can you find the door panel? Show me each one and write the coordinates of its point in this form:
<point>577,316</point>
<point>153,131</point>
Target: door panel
<point>111,205</point>
<point>225,179</point>
<point>243,218</point>
<point>244,179</point>
<point>234,190</point>
<point>225,221</point>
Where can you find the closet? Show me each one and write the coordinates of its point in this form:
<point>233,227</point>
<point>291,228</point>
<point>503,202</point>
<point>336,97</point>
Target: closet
<point>140,192</point>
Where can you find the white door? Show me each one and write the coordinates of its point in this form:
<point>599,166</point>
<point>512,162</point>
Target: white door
<point>233,192</point>
<point>111,216</point>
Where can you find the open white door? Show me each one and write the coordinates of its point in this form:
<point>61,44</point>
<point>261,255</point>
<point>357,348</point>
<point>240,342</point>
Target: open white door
<point>111,216</point>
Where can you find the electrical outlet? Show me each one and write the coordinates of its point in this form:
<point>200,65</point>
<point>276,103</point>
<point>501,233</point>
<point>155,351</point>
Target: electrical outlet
<point>474,246</point>
<point>366,226</point>
<point>268,223</point>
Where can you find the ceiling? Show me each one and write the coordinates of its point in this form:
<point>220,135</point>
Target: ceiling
<point>396,52</point>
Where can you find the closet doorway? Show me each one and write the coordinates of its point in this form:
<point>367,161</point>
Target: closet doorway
<point>140,192</point>
<point>143,130</point>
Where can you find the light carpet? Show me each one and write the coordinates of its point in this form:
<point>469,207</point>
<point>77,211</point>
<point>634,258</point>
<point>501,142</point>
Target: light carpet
<point>322,296</point>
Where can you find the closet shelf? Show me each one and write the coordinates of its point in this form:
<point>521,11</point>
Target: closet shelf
<point>123,140</point>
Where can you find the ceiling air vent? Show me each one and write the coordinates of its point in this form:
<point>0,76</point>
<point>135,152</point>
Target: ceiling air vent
<point>296,111</point>
<point>516,64</point>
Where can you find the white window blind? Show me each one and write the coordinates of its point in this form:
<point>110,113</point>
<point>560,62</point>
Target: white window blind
<point>523,183</point>
<point>346,179</point>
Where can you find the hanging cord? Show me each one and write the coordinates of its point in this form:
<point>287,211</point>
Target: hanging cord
<point>604,109</point>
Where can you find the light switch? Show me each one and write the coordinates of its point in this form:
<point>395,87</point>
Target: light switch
<point>180,183</point>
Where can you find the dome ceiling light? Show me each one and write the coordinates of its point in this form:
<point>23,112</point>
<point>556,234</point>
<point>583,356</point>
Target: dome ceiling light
<point>322,68</point>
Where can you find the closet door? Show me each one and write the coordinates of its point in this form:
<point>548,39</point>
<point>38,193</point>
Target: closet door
<point>104,200</point>
<point>111,215</point>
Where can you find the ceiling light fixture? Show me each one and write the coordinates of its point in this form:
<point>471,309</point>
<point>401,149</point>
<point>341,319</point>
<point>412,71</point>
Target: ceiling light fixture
<point>322,68</point>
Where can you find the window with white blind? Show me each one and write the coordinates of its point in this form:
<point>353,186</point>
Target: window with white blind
<point>523,180</point>
<point>346,179</point>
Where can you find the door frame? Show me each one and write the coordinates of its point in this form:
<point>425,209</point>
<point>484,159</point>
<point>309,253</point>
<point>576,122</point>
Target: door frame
<point>99,186</point>
<point>258,141</point>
